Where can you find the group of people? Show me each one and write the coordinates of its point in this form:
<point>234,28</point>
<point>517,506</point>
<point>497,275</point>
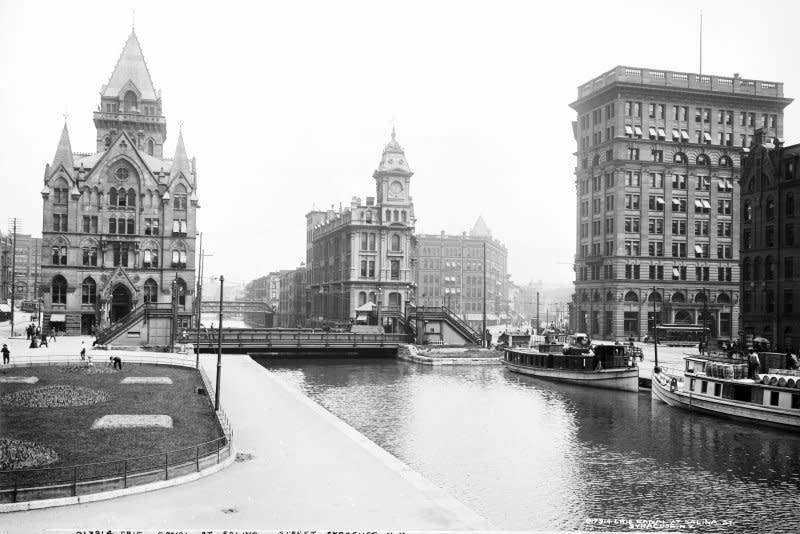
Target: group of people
<point>34,334</point>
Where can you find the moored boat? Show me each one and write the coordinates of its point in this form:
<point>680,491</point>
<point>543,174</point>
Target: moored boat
<point>607,366</point>
<point>720,386</point>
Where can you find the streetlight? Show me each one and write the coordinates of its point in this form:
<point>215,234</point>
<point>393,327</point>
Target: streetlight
<point>219,346</point>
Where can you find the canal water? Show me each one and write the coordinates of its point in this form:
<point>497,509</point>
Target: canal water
<point>535,455</point>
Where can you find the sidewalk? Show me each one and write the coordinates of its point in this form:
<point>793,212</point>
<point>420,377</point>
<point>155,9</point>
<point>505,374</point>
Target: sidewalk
<point>309,471</point>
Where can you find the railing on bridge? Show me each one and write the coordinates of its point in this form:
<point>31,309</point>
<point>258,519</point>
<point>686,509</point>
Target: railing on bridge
<point>252,339</point>
<point>236,306</point>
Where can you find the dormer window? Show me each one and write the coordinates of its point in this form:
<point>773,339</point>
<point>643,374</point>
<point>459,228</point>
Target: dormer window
<point>130,101</point>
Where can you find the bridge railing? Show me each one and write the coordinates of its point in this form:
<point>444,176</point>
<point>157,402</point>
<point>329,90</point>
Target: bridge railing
<point>249,337</point>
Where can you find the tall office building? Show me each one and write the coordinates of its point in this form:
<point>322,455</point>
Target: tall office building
<point>770,243</point>
<point>657,192</point>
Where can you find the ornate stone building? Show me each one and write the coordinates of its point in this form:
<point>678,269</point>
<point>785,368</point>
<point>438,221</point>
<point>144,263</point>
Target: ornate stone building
<point>362,253</point>
<point>118,226</point>
<point>657,193</point>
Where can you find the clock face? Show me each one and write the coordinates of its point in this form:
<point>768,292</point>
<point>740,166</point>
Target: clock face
<point>396,188</point>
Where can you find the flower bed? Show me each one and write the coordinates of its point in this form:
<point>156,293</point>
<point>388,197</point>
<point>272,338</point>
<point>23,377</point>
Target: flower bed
<point>18,454</point>
<point>54,397</point>
<point>89,369</point>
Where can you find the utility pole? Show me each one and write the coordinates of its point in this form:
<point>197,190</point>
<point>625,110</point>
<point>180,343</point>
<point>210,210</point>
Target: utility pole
<point>219,346</point>
<point>13,222</point>
<point>538,321</point>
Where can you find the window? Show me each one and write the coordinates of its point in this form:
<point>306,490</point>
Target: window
<point>678,250</point>
<point>633,179</point>
<point>701,228</point>
<point>60,195</point>
<point>788,267</point>
<point>59,290</point>
<point>609,202</point>
<point>179,258</point>
<point>633,154</point>
<point>657,155</point>
<point>632,202</point>
<point>88,291</point>
<point>701,250</point>
<point>724,229</point>
<point>769,269</point>
<point>656,203</point>
<point>656,272</point>
<point>724,274</point>
<point>748,212</point>
<point>59,222</point>
<point>789,234</point>
<point>657,180</point>
<point>120,254</point>
<point>150,291</point>
<point>631,248</point>
<point>724,185</point>
<point>151,227</point>
<point>89,224</point>
<point>678,273</point>
<point>112,226</point>
<point>724,252</point>
<point>701,274</point>
<point>632,224</point>
<point>789,204</point>
<point>395,269</point>
<point>90,255</point>
<point>701,205</point>
<point>703,183</point>
<point>788,301</point>
<point>631,272</point>
<point>679,181</point>
<point>655,248</point>
<point>610,179</point>
<point>679,205</point>
<point>395,243</point>
<point>770,211</point>
<point>724,207</point>
<point>610,225</point>
<point>59,255</point>
<point>655,226</point>
<point>179,226</point>
<point>179,200</point>
<point>131,227</point>
<point>769,236</point>
<point>150,258</point>
<point>679,226</point>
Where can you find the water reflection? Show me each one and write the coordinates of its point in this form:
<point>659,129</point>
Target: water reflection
<point>536,455</point>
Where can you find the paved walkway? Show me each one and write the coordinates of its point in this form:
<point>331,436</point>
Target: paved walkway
<point>309,471</point>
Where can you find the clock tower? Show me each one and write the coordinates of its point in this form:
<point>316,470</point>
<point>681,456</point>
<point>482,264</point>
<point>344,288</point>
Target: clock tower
<point>393,178</point>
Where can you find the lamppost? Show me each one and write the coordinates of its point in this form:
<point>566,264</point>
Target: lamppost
<point>380,317</point>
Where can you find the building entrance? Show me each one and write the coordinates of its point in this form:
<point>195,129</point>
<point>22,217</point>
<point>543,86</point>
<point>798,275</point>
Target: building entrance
<point>87,324</point>
<point>120,303</point>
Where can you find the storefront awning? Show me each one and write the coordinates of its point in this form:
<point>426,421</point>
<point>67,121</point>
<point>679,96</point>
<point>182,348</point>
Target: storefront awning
<point>57,318</point>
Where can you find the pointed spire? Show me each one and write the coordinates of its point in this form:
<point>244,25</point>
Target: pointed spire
<point>180,162</point>
<point>481,229</point>
<point>63,152</point>
<point>131,67</point>
<point>394,158</point>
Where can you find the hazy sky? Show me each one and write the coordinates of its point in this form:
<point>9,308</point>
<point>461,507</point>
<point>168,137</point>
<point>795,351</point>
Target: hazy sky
<point>287,105</point>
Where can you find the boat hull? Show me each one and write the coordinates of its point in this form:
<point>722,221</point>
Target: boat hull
<point>738,410</point>
<point>619,379</point>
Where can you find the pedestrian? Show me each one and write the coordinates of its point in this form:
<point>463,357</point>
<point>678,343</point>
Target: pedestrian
<point>83,350</point>
<point>33,344</point>
<point>118,362</point>
<point>754,366</point>
<point>6,354</point>
<point>791,360</point>
<point>43,343</point>
<point>38,332</point>
<point>28,332</point>
<point>52,334</point>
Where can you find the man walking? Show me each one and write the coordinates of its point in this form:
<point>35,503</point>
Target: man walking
<point>83,350</point>
<point>755,364</point>
<point>52,334</point>
<point>6,354</point>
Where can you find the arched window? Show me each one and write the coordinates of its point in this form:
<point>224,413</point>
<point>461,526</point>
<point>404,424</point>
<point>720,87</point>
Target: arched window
<point>394,299</point>
<point>388,215</point>
<point>700,297</point>
<point>748,212</point>
<point>655,296</point>
<point>89,250</point>
<point>396,216</point>
<point>89,291</point>
<point>770,210</point>
<point>678,298</point>
<point>372,297</point>
<point>179,202</point>
<point>362,298</point>
<point>150,146</point>
<point>59,253</point>
<point>112,197</point>
<point>683,317</point>
<point>395,243</point>
<point>789,204</point>
<point>703,159</point>
<point>179,256</point>
<point>131,197</point>
<point>769,268</point>
<point>58,290</point>
<point>130,101</point>
<point>403,215</point>
<point>150,291</point>
<point>725,161</point>
<point>723,298</point>
<point>746,274</point>
<point>150,256</point>
<point>631,296</point>
<point>679,157</point>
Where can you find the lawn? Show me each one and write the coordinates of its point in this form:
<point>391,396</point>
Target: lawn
<point>67,430</point>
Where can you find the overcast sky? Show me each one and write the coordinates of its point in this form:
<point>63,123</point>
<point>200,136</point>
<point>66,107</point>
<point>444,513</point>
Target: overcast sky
<point>287,105</point>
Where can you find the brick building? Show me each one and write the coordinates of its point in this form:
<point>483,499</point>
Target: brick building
<point>449,272</point>
<point>292,308</point>
<point>118,225</point>
<point>770,253</point>
<point>658,163</point>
